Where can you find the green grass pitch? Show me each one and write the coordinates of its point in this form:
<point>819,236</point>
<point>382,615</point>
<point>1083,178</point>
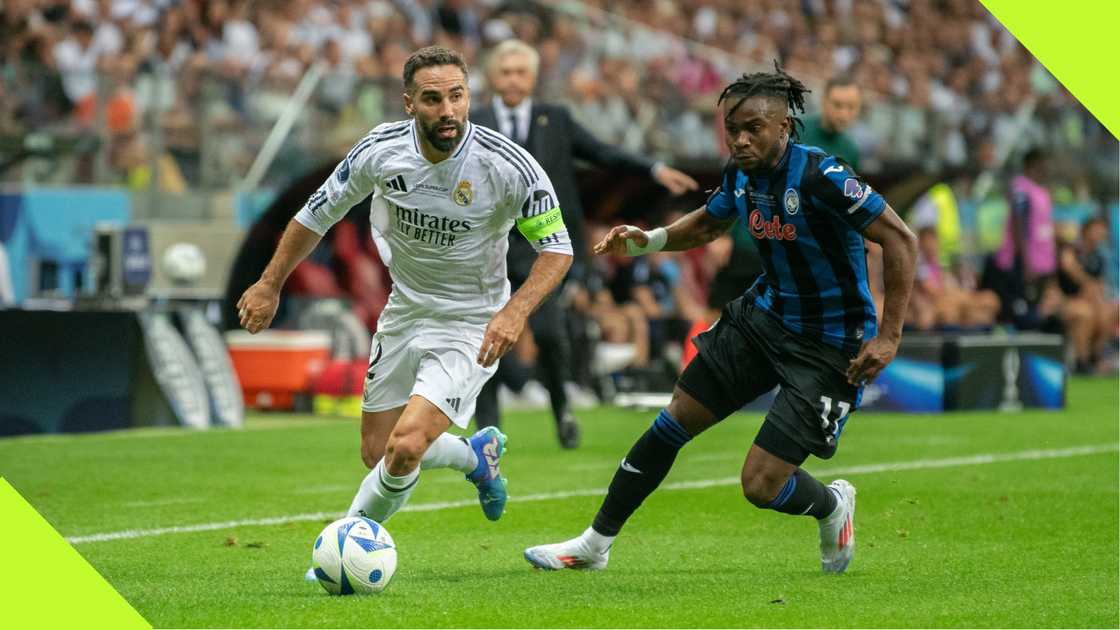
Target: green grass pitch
<point>989,520</point>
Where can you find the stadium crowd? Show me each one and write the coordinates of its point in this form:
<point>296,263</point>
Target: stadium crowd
<point>947,81</point>
<point>194,85</point>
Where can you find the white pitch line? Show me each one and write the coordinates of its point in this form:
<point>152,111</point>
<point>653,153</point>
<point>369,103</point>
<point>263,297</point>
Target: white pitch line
<point>161,502</point>
<point>920,464</point>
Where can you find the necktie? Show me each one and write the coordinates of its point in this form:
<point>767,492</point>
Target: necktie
<point>514,132</point>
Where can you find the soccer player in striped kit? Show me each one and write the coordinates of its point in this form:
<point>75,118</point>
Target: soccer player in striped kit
<point>807,324</point>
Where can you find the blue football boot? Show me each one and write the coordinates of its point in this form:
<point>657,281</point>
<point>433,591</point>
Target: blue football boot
<point>489,444</point>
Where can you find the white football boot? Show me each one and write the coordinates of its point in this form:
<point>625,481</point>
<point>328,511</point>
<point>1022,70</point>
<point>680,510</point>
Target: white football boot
<point>576,553</point>
<point>838,533</point>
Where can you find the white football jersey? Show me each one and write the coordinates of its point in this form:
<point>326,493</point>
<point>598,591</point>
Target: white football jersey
<point>442,228</point>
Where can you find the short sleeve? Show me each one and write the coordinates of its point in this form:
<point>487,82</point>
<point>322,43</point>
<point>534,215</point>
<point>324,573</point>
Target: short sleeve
<point>352,180</point>
<point>836,186</point>
<point>721,203</point>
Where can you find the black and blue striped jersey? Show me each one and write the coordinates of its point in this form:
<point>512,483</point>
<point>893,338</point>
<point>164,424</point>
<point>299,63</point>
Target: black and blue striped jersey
<point>807,217</point>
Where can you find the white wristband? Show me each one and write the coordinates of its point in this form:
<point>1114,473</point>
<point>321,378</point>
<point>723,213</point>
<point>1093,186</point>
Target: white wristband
<point>657,238</point>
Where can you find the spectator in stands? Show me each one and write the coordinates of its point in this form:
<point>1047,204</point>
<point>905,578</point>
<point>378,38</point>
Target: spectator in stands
<point>840,106</point>
<point>1088,314</point>
<point>1027,258</point>
<point>946,85</point>
<point>76,58</point>
<point>943,299</point>
<point>607,301</point>
<point>548,132</point>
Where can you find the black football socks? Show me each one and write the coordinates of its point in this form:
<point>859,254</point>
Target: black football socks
<point>803,494</point>
<point>639,474</point>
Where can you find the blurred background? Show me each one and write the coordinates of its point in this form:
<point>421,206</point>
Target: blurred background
<point>151,152</point>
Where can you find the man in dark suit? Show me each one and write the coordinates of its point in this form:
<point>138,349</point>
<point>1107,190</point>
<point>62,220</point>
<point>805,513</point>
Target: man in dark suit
<point>550,134</point>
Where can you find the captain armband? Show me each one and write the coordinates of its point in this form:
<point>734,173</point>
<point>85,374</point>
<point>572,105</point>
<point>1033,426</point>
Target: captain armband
<point>540,226</point>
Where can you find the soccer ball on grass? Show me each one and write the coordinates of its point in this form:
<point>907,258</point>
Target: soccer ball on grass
<point>354,555</point>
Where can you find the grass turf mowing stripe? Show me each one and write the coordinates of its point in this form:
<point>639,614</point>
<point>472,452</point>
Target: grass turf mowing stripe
<point>920,464</point>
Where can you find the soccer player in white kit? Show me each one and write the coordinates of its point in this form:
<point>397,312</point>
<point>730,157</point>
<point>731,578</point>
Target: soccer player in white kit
<point>445,195</point>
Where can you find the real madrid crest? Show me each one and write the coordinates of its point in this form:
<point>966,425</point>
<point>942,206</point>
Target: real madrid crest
<point>792,201</point>
<point>463,195</point>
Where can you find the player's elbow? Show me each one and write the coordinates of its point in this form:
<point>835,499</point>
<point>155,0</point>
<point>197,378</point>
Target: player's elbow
<point>902,240</point>
<point>560,260</point>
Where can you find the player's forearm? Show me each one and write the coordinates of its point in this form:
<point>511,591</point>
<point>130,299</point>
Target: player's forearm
<point>547,272</point>
<point>296,243</point>
<point>900,255</point>
<point>694,229</point>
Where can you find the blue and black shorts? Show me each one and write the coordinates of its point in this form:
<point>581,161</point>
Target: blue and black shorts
<point>746,354</point>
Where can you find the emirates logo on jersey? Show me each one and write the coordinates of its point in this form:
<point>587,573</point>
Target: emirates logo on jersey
<point>432,229</point>
<point>773,229</point>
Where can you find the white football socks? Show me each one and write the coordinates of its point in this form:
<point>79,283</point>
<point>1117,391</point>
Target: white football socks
<point>597,542</point>
<point>381,494</point>
<point>450,451</point>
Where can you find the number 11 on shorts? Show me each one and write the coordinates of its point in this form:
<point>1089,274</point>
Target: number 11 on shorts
<point>841,406</point>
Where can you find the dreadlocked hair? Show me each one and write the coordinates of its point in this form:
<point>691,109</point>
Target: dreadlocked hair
<point>777,84</point>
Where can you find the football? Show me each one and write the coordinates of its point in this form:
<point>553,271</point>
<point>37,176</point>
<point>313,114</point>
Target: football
<point>354,556</point>
<point>184,263</point>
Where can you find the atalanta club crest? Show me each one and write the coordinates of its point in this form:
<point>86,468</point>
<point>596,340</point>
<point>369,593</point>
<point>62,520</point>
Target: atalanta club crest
<point>792,201</point>
<point>463,194</point>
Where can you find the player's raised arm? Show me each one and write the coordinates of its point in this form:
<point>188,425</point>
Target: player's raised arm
<point>699,227</point>
<point>348,184</point>
<point>694,229</point>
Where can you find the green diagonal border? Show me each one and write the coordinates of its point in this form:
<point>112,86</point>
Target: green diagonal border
<point>1077,42</point>
<point>45,582</point>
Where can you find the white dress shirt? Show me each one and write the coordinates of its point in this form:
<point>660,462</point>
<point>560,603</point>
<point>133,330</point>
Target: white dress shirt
<point>521,114</point>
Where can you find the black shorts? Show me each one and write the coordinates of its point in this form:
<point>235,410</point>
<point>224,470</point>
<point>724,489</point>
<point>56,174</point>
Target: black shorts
<point>746,353</point>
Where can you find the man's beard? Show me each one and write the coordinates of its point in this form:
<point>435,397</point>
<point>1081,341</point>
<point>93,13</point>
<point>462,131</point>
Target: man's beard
<point>443,145</point>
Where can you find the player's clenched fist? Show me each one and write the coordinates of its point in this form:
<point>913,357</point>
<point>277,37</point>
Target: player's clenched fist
<point>615,241</point>
<point>257,306</point>
<point>501,334</point>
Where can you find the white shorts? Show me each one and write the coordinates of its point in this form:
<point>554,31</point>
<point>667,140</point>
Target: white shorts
<point>438,362</point>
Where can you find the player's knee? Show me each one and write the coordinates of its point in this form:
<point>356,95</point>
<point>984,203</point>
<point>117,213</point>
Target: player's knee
<point>760,489</point>
<point>405,450</point>
<point>367,458</point>
<point>370,455</point>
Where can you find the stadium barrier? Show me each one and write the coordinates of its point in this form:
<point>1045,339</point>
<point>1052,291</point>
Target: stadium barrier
<point>84,370</point>
<point>936,373</point>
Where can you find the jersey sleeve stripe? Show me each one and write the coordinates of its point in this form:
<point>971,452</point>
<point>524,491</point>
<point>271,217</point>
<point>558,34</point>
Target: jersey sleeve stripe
<point>317,200</point>
<point>373,139</point>
<point>505,155</point>
<point>858,204</point>
<point>391,129</point>
<point>517,151</point>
